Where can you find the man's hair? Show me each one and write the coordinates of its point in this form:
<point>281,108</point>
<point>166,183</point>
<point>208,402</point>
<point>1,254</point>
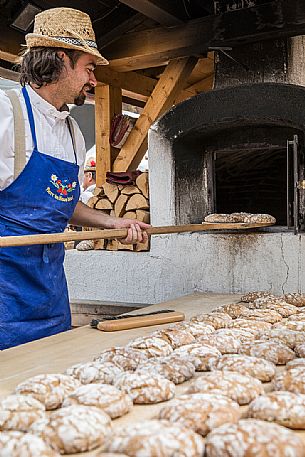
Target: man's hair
<point>43,66</point>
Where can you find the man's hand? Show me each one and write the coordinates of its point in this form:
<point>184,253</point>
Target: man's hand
<point>136,230</point>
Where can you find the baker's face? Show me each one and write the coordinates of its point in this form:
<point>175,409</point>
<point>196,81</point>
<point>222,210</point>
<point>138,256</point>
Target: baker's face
<point>78,81</point>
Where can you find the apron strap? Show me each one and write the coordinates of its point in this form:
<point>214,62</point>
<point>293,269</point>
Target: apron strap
<point>19,134</point>
<point>71,130</point>
<point>30,116</point>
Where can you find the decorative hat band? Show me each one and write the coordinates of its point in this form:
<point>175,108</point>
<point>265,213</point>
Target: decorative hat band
<point>75,41</point>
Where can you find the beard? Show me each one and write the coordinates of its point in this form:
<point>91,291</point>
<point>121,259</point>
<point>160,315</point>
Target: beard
<point>81,97</point>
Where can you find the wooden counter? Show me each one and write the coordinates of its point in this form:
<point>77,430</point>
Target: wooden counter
<point>56,353</point>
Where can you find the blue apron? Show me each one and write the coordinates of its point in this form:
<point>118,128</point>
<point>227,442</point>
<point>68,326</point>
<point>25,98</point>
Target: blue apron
<point>33,290</point>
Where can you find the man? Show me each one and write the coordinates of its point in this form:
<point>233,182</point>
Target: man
<point>89,181</point>
<point>56,69</point>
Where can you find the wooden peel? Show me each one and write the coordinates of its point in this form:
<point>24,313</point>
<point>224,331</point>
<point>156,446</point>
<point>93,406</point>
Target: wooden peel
<point>140,321</point>
<point>49,238</point>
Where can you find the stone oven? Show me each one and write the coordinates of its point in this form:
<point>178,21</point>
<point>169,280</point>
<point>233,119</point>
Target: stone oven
<point>234,149</point>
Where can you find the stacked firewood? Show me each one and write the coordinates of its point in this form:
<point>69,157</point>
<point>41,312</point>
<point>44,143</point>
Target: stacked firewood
<point>127,201</point>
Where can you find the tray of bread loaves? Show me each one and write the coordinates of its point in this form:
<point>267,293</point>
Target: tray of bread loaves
<point>240,220</point>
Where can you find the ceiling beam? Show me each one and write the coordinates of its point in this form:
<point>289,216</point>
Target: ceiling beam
<point>132,82</point>
<point>162,11</point>
<point>116,33</point>
<point>276,19</point>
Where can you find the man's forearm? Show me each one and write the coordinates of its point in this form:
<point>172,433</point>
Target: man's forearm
<point>85,216</point>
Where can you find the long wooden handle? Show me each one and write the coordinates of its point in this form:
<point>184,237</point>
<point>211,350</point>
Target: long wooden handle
<point>140,321</point>
<point>48,238</point>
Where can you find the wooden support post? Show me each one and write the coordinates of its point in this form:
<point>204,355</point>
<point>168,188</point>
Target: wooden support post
<point>108,102</point>
<point>161,99</point>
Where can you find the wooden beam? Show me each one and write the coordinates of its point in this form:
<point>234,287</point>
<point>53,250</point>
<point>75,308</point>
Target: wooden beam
<point>163,12</point>
<point>116,32</point>
<point>161,99</point>
<point>9,74</point>
<point>108,102</point>
<point>131,81</point>
<point>201,86</point>
<point>276,19</point>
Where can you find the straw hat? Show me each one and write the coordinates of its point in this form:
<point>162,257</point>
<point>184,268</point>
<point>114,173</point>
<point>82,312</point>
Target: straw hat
<point>64,28</point>
<point>90,165</point>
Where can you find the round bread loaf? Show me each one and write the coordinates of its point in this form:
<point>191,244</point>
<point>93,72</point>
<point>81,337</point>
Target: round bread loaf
<point>240,388</point>
<point>239,334</point>
<point>292,380</point>
<point>19,444</point>
<point>251,296</point>
<point>217,320</point>
<point>295,299</point>
<point>233,309</point>
<point>18,412</point>
<point>92,372</point>
<point>266,315</point>
<point>174,368</point>
<point>298,317</point>
<point>151,346</point>
<point>219,218</point>
<point>153,438</point>
<point>49,389</point>
<point>74,429</point>
<point>125,358</point>
<point>285,408</point>
<point>290,338</point>
<point>226,344</point>
<point>252,326</point>
<point>274,351</point>
<point>195,328</point>
<point>201,412</point>
<point>280,306</point>
<point>260,219</point>
<point>300,350</point>
<point>175,337</point>
<point>295,363</point>
<point>298,326</point>
<point>110,399</point>
<point>199,353</point>
<point>251,437</point>
<point>145,389</point>
<point>244,364</point>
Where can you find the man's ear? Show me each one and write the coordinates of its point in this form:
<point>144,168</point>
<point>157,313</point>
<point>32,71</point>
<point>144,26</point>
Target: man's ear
<point>61,55</point>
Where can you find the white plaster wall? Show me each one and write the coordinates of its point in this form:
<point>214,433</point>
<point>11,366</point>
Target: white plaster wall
<point>179,264</point>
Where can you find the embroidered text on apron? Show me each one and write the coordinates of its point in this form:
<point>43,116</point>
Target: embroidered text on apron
<point>33,290</point>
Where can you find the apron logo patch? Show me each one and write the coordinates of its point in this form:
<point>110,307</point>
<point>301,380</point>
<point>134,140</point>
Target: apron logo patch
<point>62,189</point>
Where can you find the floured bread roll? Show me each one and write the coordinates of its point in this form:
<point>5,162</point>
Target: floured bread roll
<point>219,218</point>
<point>274,351</point>
<point>200,354</point>
<point>251,437</point>
<point>290,338</point>
<point>292,380</point>
<point>252,326</point>
<point>145,388</point>
<point>175,337</point>
<point>92,372</point>
<point>226,344</point>
<point>109,454</point>
<point>195,328</point>
<point>298,326</point>
<point>49,389</point>
<point>285,408</point>
<point>18,412</point>
<point>174,368</point>
<point>217,320</point>
<point>240,388</point>
<point>124,357</point>
<point>253,366</point>
<point>251,296</point>
<point>18,444</point>
<point>110,399</point>
<point>239,334</point>
<point>74,429</point>
<point>298,317</point>
<point>151,346</point>
<point>260,219</point>
<point>300,350</point>
<point>285,310</point>
<point>295,299</point>
<point>152,438</point>
<point>201,412</point>
<point>233,309</point>
<point>295,363</point>
<point>266,315</point>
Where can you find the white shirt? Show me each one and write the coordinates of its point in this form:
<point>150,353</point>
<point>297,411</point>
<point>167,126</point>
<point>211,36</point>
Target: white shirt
<point>86,194</point>
<point>53,136</point>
